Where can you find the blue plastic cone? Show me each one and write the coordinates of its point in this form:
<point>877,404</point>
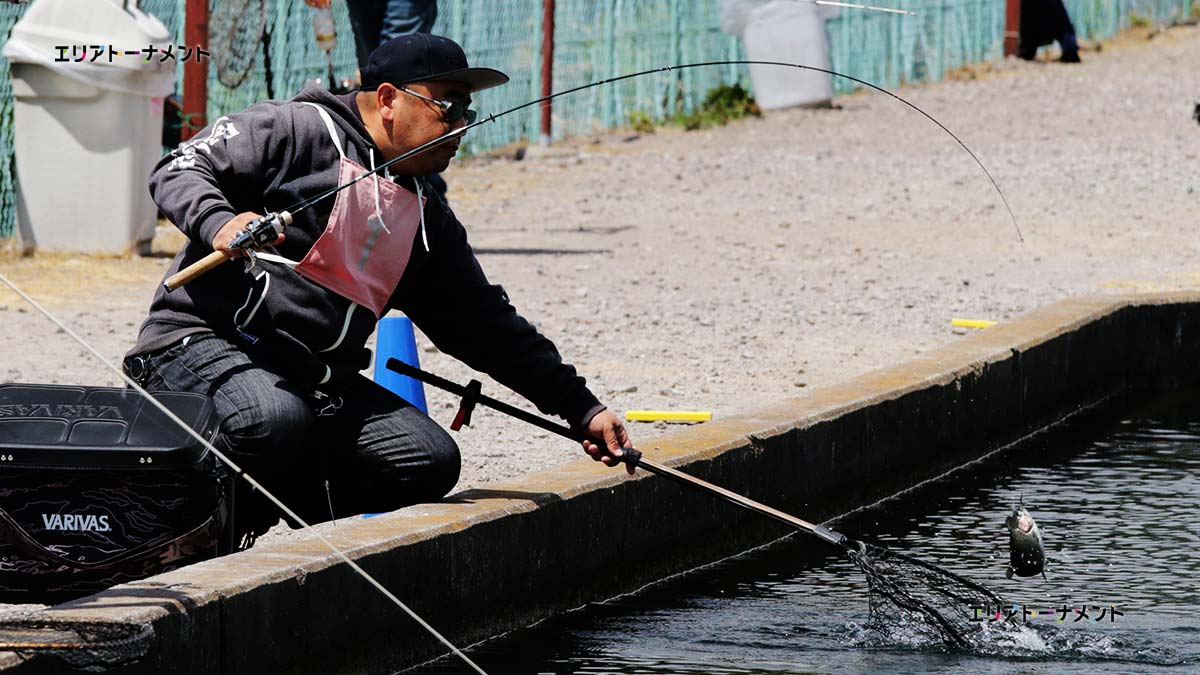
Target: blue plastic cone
<point>396,340</point>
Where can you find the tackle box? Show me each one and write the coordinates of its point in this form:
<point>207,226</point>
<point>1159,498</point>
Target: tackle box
<point>99,487</point>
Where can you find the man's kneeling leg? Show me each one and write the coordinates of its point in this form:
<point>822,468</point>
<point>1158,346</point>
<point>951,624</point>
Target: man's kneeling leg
<point>266,421</point>
<point>388,454</point>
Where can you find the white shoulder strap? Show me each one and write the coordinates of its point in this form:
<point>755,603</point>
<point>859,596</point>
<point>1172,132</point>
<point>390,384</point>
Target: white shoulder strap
<point>329,125</point>
<point>271,257</point>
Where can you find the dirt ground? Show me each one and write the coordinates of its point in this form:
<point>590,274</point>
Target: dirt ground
<point>726,269</point>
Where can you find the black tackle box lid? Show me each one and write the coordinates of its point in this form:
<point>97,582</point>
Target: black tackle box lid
<point>58,426</point>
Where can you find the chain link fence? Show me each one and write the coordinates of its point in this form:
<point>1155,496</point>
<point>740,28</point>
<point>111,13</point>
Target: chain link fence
<point>889,50</point>
<point>597,39</point>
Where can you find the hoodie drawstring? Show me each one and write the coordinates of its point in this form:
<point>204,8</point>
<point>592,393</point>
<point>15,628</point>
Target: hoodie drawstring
<point>421,208</point>
<point>378,211</point>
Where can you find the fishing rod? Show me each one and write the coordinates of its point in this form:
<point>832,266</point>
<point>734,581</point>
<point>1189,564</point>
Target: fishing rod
<point>263,231</point>
<point>897,576</point>
<point>238,471</point>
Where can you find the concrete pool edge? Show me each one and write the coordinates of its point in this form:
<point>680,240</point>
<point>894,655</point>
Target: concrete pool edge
<point>490,560</point>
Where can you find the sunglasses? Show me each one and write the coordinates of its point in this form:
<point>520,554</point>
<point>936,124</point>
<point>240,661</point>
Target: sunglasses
<point>452,111</point>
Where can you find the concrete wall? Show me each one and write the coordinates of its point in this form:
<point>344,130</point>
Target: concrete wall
<point>487,561</point>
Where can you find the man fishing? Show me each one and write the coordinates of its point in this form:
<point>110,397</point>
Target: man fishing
<point>279,345</point>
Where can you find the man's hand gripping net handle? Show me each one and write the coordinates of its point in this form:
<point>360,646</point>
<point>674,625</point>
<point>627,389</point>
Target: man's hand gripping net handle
<point>258,233</point>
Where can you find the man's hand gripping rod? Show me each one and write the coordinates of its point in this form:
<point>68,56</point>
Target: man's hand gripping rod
<point>258,233</point>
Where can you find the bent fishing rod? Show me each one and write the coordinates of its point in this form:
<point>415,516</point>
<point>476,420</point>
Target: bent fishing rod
<point>263,231</point>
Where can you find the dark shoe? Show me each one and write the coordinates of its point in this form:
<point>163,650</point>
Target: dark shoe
<point>253,516</point>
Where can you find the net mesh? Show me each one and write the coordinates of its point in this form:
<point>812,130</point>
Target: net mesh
<point>935,605</point>
<point>83,645</point>
<point>235,29</point>
<point>593,41</point>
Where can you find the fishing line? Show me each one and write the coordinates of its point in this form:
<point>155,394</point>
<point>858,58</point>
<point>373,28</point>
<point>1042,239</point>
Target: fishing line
<point>891,10</point>
<point>248,478</point>
<point>304,204</point>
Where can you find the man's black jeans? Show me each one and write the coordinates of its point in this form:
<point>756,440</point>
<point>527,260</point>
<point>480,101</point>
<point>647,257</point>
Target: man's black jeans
<point>377,452</point>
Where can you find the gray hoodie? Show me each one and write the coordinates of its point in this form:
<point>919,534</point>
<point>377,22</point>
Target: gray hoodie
<point>275,154</point>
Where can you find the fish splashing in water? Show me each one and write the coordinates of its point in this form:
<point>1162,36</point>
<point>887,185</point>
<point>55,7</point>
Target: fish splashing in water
<point>1027,554</point>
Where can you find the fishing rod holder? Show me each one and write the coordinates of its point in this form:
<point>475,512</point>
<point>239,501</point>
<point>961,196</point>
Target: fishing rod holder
<point>472,396</point>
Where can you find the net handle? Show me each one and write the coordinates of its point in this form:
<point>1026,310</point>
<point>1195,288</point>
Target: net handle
<point>471,396</point>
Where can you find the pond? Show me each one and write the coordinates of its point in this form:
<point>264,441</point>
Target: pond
<point>1116,494</point>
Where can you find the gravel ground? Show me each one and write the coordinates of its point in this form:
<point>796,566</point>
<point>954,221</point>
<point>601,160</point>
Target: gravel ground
<point>726,269</point>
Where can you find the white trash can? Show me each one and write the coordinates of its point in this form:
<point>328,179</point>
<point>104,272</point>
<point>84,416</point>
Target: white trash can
<point>87,133</point>
<point>789,32</point>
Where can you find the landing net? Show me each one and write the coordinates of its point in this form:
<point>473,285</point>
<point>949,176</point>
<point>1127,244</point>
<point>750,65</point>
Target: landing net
<point>916,601</point>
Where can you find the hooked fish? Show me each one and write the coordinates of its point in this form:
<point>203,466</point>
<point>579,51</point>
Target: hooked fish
<point>1027,555</point>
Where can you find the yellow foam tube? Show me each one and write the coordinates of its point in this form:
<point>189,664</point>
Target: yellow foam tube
<point>972,323</point>
<point>667,416</point>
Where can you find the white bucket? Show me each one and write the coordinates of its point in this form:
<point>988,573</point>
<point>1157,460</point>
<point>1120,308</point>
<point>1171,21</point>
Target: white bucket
<point>790,32</point>
<point>86,133</point>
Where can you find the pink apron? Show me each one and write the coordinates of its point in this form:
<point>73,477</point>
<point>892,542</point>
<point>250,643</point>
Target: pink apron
<point>369,238</point>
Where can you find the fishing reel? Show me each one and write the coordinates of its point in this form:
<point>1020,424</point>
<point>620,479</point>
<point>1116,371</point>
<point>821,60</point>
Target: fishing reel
<point>262,231</point>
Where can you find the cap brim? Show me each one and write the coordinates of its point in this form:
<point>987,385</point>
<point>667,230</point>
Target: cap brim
<point>477,79</point>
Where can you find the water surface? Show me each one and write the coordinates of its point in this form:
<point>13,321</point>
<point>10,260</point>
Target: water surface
<point>1117,496</point>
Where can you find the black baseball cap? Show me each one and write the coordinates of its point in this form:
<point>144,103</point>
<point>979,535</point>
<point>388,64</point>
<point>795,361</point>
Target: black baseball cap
<point>421,57</point>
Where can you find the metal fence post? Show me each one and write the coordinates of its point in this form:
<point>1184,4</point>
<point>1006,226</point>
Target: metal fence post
<point>195,73</point>
<point>674,105</point>
<point>1012,26</point>
<point>548,7</point>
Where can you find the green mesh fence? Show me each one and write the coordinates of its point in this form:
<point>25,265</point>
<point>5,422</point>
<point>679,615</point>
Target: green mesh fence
<point>506,36</point>
<point>592,41</point>
<point>1100,19</point>
<point>890,49</point>
<point>596,39</point>
<point>8,189</point>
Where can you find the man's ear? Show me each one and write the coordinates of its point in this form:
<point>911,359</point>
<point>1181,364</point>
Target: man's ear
<point>385,98</point>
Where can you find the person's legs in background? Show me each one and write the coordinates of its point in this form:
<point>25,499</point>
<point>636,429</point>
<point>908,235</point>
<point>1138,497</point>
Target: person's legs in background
<point>366,19</point>
<point>404,17</point>
<point>377,21</point>
<point>1070,48</point>
<point>1043,22</point>
<point>1064,31</point>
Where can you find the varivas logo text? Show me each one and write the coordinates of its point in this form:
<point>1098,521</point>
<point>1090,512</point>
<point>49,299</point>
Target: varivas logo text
<point>59,521</point>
